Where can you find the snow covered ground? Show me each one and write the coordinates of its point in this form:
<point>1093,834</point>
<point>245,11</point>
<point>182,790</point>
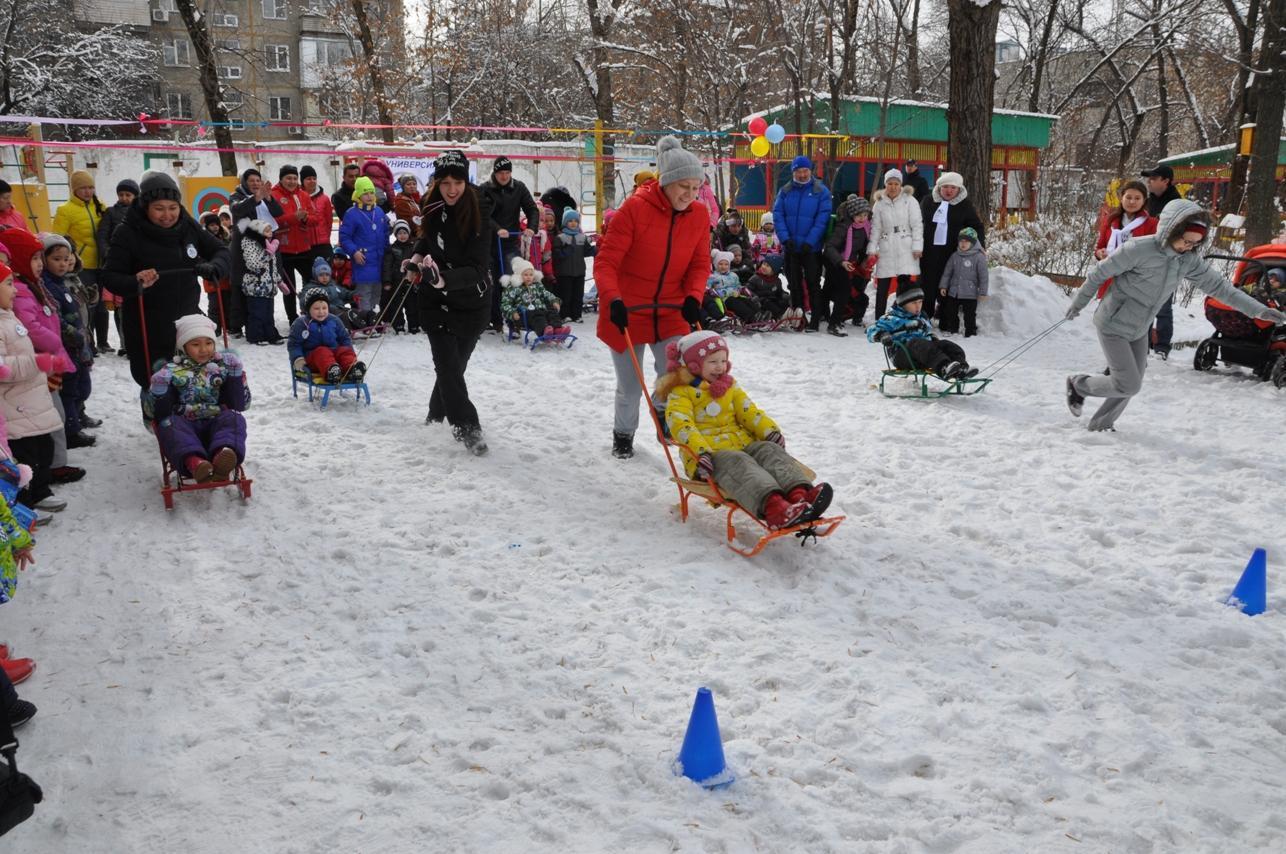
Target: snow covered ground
<point>1016,642</point>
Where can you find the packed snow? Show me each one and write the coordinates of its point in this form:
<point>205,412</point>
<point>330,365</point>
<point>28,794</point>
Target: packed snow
<point>1016,642</point>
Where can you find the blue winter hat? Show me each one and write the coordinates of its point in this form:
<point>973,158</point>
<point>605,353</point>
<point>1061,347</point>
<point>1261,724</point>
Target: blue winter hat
<point>773,261</point>
<point>569,215</point>
<point>801,162</point>
<point>320,265</point>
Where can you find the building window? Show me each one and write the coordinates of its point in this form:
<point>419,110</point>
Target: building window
<point>229,72</point>
<point>176,53</point>
<point>178,105</point>
<point>229,45</point>
<point>236,123</point>
<point>274,9</point>
<point>315,55</point>
<point>225,19</point>
<point>279,109</point>
<point>277,57</point>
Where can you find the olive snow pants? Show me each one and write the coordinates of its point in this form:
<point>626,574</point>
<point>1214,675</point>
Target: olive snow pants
<point>750,476</point>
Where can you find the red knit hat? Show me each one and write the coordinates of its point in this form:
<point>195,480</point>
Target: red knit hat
<point>1196,228</point>
<point>21,245</point>
<point>5,272</point>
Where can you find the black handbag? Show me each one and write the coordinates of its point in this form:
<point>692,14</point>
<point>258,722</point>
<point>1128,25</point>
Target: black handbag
<point>19,794</point>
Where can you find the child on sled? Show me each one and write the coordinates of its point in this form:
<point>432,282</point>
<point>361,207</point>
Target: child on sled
<point>197,401</point>
<point>729,440</point>
<point>524,289</point>
<point>319,342</point>
<point>904,325</point>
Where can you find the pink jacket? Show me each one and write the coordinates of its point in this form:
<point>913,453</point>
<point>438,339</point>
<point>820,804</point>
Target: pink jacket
<point>706,194</point>
<point>13,218</point>
<point>24,394</point>
<point>43,325</point>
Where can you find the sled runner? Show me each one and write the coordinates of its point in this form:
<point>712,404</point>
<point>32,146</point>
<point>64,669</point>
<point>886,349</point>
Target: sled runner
<point>709,491</point>
<point>318,387</point>
<point>925,385</point>
<point>172,479</point>
<point>531,339</point>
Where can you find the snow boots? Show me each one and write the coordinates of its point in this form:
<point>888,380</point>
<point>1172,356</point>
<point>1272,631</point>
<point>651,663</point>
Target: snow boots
<point>199,468</point>
<point>1075,400</point>
<point>622,445</point>
<point>781,512</point>
<point>357,372</point>
<point>224,462</point>
<point>818,498</point>
<point>18,669</point>
<point>471,437</point>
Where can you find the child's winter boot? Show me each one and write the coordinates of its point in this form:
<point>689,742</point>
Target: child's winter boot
<point>224,462</point>
<point>333,374</point>
<point>818,498</point>
<point>780,512</point>
<point>357,372</point>
<point>18,669</point>
<point>200,468</point>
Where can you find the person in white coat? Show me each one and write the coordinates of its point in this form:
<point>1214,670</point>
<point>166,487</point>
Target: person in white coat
<point>897,239</point>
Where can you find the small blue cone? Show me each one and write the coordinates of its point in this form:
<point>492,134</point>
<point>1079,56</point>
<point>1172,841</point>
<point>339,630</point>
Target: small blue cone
<point>701,757</point>
<point>1251,592</point>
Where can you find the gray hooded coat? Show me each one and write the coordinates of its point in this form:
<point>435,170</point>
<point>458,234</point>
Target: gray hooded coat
<point>965,276</point>
<point>1146,272</point>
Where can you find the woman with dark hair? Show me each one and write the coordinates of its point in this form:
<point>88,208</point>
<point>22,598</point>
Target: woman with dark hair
<point>455,301</point>
<point>156,255</point>
<point>1129,219</point>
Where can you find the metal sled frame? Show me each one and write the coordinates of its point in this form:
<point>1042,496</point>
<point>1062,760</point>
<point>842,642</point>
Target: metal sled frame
<point>941,388</point>
<point>531,340</point>
<point>706,489</point>
<point>318,387</point>
<point>173,480</point>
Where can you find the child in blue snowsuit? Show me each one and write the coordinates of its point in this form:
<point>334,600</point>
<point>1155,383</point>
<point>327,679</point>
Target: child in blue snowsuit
<point>61,282</point>
<point>363,235</point>
<point>905,325</point>
<point>320,342</point>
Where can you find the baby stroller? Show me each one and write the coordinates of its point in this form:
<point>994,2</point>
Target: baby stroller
<point>1248,342</point>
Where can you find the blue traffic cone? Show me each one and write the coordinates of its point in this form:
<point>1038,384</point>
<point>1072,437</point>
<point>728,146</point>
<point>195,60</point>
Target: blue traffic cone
<point>1251,592</point>
<point>701,757</point>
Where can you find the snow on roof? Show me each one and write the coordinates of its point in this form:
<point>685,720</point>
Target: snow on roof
<point>868,99</point>
<point>1202,152</point>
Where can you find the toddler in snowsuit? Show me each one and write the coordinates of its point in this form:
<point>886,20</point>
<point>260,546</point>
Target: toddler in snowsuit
<point>728,440</point>
<point>741,263</point>
<point>319,342</point>
<point>571,247</point>
<point>724,293</point>
<point>523,290</point>
<point>363,234</point>
<point>904,325</point>
<point>401,297</point>
<point>765,242</point>
<point>197,400</point>
<point>765,285</point>
<point>261,279</point>
<point>963,283</point>
<point>62,285</point>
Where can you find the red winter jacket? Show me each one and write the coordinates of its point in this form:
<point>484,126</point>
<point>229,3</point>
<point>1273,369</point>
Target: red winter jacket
<point>296,237</point>
<point>321,219</point>
<point>655,255</point>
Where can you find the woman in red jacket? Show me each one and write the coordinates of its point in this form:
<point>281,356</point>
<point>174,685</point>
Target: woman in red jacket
<point>659,254</point>
<point>1131,219</point>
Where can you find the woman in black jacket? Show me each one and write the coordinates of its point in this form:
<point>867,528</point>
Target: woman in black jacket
<point>946,210</point>
<point>455,303</point>
<point>156,255</point>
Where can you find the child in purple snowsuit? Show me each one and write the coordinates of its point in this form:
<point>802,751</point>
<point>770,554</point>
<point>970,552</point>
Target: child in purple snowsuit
<point>198,400</point>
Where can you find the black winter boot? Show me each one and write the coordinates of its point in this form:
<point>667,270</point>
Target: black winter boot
<point>333,374</point>
<point>622,445</point>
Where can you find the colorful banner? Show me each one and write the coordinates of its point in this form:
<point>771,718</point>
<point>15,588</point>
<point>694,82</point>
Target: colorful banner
<point>206,194</point>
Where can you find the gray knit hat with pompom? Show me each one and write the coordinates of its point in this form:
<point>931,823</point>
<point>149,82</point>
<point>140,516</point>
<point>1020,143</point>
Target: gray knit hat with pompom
<point>675,164</point>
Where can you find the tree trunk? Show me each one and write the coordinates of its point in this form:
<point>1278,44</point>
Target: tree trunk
<point>1261,184</point>
<point>1163,91</point>
<point>1243,107</point>
<point>211,89</point>
<point>604,106</point>
<point>972,94</point>
<point>373,69</point>
<point>1041,58</point>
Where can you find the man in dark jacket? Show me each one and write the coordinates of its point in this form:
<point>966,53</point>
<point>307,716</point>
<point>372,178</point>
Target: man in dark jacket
<point>251,200</point>
<point>1161,191</point>
<point>126,193</point>
<point>508,199</point>
<point>342,199</point>
<point>913,180</point>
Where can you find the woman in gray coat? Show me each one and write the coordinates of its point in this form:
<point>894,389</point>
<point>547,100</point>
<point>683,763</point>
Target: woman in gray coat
<point>1145,273</point>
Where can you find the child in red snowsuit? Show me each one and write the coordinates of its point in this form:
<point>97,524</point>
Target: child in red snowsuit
<point>320,342</point>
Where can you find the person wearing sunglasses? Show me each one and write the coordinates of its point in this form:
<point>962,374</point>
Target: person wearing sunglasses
<point>1145,273</point>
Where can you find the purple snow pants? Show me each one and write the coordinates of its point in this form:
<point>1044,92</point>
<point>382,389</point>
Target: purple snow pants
<point>180,438</point>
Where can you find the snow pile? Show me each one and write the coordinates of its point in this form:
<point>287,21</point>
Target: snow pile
<point>1015,643</point>
<point>1021,306</point>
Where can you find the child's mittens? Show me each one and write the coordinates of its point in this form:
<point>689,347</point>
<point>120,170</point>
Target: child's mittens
<point>776,438</point>
<point>24,475</point>
<point>705,467</point>
<point>299,364</point>
<point>271,246</point>
<point>232,363</point>
<point>161,381</point>
<point>45,362</point>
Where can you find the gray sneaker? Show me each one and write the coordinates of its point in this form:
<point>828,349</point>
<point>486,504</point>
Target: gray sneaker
<point>1075,401</point>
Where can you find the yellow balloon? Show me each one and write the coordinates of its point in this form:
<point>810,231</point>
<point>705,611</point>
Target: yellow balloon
<point>759,146</point>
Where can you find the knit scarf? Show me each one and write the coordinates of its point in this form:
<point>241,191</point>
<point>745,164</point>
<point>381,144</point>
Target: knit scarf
<point>848,239</point>
<point>1122,234</point>
<point>571,232</point>
<point>720,387</point>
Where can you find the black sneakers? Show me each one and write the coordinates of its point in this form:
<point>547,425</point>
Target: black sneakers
<point>622,445</point>
<point>471,437</point>
<point>1075,401</point>
<point>20,712</point>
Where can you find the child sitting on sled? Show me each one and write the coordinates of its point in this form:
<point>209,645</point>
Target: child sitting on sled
<point>905,325</point>
<point>729,440</point>
<point>524,289</point>
<point>197,401</point>
<point>320,342</point>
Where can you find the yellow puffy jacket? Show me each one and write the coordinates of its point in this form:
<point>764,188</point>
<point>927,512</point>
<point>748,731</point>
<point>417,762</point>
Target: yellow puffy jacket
<point>705,425</point>
<point>79,220</point>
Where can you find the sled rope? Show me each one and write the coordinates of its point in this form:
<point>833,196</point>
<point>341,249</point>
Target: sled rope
<point>1007,359</point>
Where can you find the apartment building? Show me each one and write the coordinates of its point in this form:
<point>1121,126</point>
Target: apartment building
<point>278,60</point>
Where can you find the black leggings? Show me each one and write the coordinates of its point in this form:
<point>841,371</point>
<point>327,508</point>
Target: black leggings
<point>450,398</point>
<point>37,452</point>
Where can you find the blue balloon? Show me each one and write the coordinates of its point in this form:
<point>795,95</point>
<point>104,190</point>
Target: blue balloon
<point>775,133</point>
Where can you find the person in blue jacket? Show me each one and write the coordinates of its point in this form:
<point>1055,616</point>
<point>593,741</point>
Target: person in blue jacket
<point>320,343</point>
<point>800,215</point>
<point>364,236</point>
<point>908,331</point>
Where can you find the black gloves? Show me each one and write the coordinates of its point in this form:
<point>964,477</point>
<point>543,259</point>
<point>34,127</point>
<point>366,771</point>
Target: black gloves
<point>882,336</point>
<point>617,313</point>
<point>691,310</point>
<point>206,270</point>
<point>806,248</point>
<point>791,246</point>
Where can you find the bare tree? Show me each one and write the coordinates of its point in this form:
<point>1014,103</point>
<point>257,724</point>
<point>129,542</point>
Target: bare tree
<point>1270,82</point>
<point>211,88</point>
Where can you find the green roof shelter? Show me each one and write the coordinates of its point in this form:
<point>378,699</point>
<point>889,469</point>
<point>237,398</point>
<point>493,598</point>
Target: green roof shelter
<point>1208,171</point>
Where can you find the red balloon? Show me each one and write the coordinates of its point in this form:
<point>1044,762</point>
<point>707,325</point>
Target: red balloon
<point>758,125</point>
